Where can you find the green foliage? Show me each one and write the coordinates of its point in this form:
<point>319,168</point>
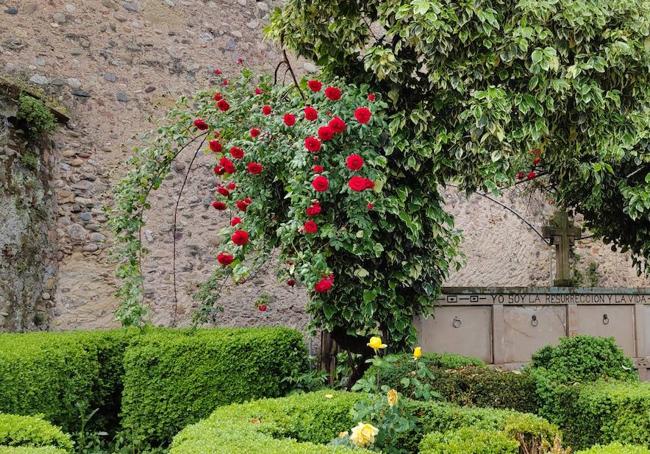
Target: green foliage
<point>63,376</point>
<point>31,431</point>
<point>267,426</point>
<point>474,86</point>
<point>615,448</point>
<point>35,114</point>
<point>29,450</point>
<point>606,412</point>
<point>173,379</point>
<point>469,440</point>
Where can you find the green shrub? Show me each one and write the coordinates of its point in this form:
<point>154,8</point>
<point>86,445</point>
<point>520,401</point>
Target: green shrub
<point>615,448</point>
<point>265,426</point>
<point>63,376</point>
<point>173,379</point>
<point>35,114</point>
<point>608,411</point>
<point>469,440</point>
<point>28,450</point>
<point>31,431</point>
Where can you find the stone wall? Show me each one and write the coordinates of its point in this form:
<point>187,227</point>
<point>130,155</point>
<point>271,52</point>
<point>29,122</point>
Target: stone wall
<point>118,65</point>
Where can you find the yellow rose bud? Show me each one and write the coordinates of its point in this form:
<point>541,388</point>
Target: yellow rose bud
<point>392,397</point>
<point>363,434</point>
<point>417,353</point>
<point>375,343</point>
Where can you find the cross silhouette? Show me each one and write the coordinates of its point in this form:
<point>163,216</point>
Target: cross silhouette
<point>562,233</point>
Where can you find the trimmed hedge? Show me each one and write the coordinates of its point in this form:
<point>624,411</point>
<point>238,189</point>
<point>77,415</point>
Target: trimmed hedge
<point>63,376</point>
<point>616,448</point>
<point>23,450</point>
<point>469,440</point>
<point>607,411</point>
<point>31,431</point>
<point>266,426</point>
<point>255,427</point>
<point>173,380</point>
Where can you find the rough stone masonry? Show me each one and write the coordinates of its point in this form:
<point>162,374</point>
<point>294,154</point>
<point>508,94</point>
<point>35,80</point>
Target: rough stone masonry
<point>117,66</point>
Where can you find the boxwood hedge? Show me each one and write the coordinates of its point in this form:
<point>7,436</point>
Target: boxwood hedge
<point>31,432</point>
<point>469,440</point>
<point>29,450</point>
<point>615,448</point>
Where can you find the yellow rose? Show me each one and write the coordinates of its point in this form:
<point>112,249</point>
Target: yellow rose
<point>392,397</point>
<point>417,353</point>
<point>363,434</point>
<point>375,343</point>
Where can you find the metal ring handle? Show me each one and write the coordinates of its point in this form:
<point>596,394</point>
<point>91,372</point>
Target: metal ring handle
<point>534,321</point>
<point>605,319</point>
<point>456,322</point>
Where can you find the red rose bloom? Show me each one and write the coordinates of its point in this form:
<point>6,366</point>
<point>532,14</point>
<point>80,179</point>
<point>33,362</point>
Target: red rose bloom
<point>225,82</point>
<point>217,96</point>
<point>200,124</point>
<point>223,105</point>
<point>240,237</point>
<point>537,160</point>
<point>248,200</point>
<point>254,168</point>
<point>217,72</point>
<point>236,152</point>
<point>216,146</point>
<point>242,205</point>
<point>310,227</point>
<point>314,85</point>
<point>354,162</point>
<point>371,97</point>
<point>312,144</point>
<point>370,206</point>
<point>359,184</point>
<point>520,175</point>
<point>258,91</point>
<point>231,186</point>
<point>337,125</point>
<point>531,175</point>
<point>266,110</point>
<point>325,284</point>
<point>223,191</point>
<point>333,93</point>
<point>320,183</point>
<point>262,308</point>
<point>362,114</point>
<point>291,282</point>
<point>218,170</point>
<point>289,119</point>
<point>318,169</point>
<point>218,205</point>
<point>255,132</point>
<point>225,259</point>
<point>325,133</point>
<point>234,221</point>
<point>311,114</point>
<point>227,165</point>
<point>314,209</point>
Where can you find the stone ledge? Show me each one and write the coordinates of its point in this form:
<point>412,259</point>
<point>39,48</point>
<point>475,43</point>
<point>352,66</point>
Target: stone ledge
<point>12,88</point>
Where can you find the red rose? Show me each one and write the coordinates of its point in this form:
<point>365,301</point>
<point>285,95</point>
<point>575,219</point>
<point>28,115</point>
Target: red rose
<point>537,160</point>
<point>223,105</point>
<point>289,119</point>
<point>371,97</point>
<point>291,282</point>
<point>258,91</point>
<point>223,191</point>
<point>262,308</point>
<point>200,124</point>
<point>234,221</point>
<point>520,175</point>
<point>310,227</point>
<point>240,237</point>
<point>312,144</point>
<point>325,133</point>
<point>320,183</point>
<point>219,170</point>
<point>255,132</point>
<point>219,205</point>
<point>216,146</point>
<point>359,184</point>
<point>248,200</point>
<point>217,72</point>
<point>266,110</point>
<point>531,175</point>
<point>217,96</point>
<point>314,85</point>
<point>254,168</point>
<point>314,209</point>
<point>240,61</point>
<point>236,152</point>
<point>225,82</point>
<point>242,205</point>
<point>333,93</point>
<point>337,125</point>
<point>225,259</point>
<point>370,206</point>
<point>311,114</point>
<point>227,165</point>
<point>362,114</point>
<point>325,284</point>
<point>354,162</point>
<point>231,186</point>
<point>318,169</point>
